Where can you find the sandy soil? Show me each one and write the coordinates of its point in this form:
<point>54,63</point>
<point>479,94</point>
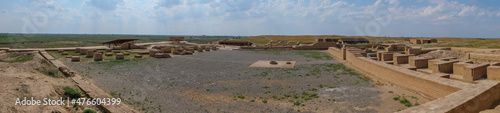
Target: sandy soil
<point>221,81</point>
<point>21,80</point>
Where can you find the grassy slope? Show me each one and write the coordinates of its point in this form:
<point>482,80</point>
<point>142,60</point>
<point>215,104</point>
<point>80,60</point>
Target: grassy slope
<point>443,42</point>
<point>302,38</point>
<point>256,39</point>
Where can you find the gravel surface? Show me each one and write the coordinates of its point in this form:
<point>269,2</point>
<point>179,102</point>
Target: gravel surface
<point>221,81</point>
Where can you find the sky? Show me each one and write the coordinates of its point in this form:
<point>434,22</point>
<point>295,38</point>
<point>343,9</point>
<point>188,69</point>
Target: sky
<point>392,18</point>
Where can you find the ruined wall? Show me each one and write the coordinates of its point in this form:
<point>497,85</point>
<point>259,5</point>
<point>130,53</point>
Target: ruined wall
<point>335,52</point>
<point>463,49</point>
<point>452,96</point>
<point>472,99</point>
<point>484,57</point>
<point>317,46</point>
<point>396,75</point>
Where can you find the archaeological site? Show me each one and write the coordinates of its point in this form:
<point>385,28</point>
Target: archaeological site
<point>250,56</point>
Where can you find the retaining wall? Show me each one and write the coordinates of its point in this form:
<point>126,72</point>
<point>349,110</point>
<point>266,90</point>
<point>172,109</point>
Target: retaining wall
<point>336,52</point>
<point>479,56</point>
<point>463,49</point>
<point>452,96</point>
<point>406,79</point>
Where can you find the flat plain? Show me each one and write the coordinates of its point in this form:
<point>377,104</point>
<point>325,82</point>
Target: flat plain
<point>221,81</point>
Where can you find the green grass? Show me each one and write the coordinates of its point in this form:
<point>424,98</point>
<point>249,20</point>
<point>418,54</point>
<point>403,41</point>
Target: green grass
<point>314,54</point>
<point>297,103</point>
<point>49,69</point>
<point>113,62</point>
<point>71,93</point>
<point>405,102</point>
<point>345,70</point>
<point>256,39</point>
<point>89,111</point>
<point>22,58</point>
<point>240,96</point>
<point>74,40</point>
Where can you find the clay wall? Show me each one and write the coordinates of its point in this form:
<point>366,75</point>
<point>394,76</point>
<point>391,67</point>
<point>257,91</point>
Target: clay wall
<point>493,73</point>
<point>317,46</point>
<point>473,72</point>
<point>464,49</point>
<point>452,96</point>
<point>400,59</point>
<point>472,99</point>
<point>479,56</point>
<point>401,77</point>
<point>387,56</point>
<point>458,68</point>
<point>442,66</point>
<point>418,62</point>
<point>336,52</point>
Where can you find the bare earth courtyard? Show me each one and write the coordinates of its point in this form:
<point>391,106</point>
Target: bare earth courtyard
<point>221,81</point>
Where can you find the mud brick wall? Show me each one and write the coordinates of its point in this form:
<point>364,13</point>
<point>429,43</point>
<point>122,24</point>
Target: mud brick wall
<point>379,56</point>
<point>474,72</point>
<point>336,52</point>
<point>442,66</point>
<point>458,68</point>
<point>401,78</point>
<point>400,59</point>
<point>387,56</point>
<point>452,96</point>
<point>317,46</point>
<point>418,62</point>
<point>472,99</point>
<point>493,73</point>
<point>478,56</point>
<point>463,49</point>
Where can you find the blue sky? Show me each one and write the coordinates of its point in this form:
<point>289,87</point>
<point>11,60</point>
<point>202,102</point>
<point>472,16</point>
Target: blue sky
<point>409,18</point>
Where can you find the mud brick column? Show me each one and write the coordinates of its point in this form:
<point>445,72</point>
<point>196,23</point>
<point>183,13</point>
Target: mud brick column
<point>400,59</point>
<point>474,72</point>
<point>458,68</point>
<point>442,66</point>
<point>418,62</point>
<point>387,56</point>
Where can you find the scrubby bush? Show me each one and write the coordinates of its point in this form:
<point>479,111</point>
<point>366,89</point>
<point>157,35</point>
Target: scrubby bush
<point>89,111</point>
<point>71,93</point>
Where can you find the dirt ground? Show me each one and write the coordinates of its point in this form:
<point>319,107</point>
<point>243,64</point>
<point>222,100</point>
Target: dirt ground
<point>445,54</point>
<point>460,55</point>
<point>24,79</point>
<point>221,81</point>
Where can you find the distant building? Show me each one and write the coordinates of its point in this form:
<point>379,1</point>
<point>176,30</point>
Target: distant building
<point>327,40</point>
<point>122,44</point>
<point>353,40</point>
<point>235,42</point>
<point>422,40</point>
<point>176,39</point>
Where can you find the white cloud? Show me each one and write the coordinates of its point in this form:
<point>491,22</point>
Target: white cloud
<point>105,4</point>
<point>468,10</point>
<point>445,17</point>
<point>251,17</point>
<point>49,4</point>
